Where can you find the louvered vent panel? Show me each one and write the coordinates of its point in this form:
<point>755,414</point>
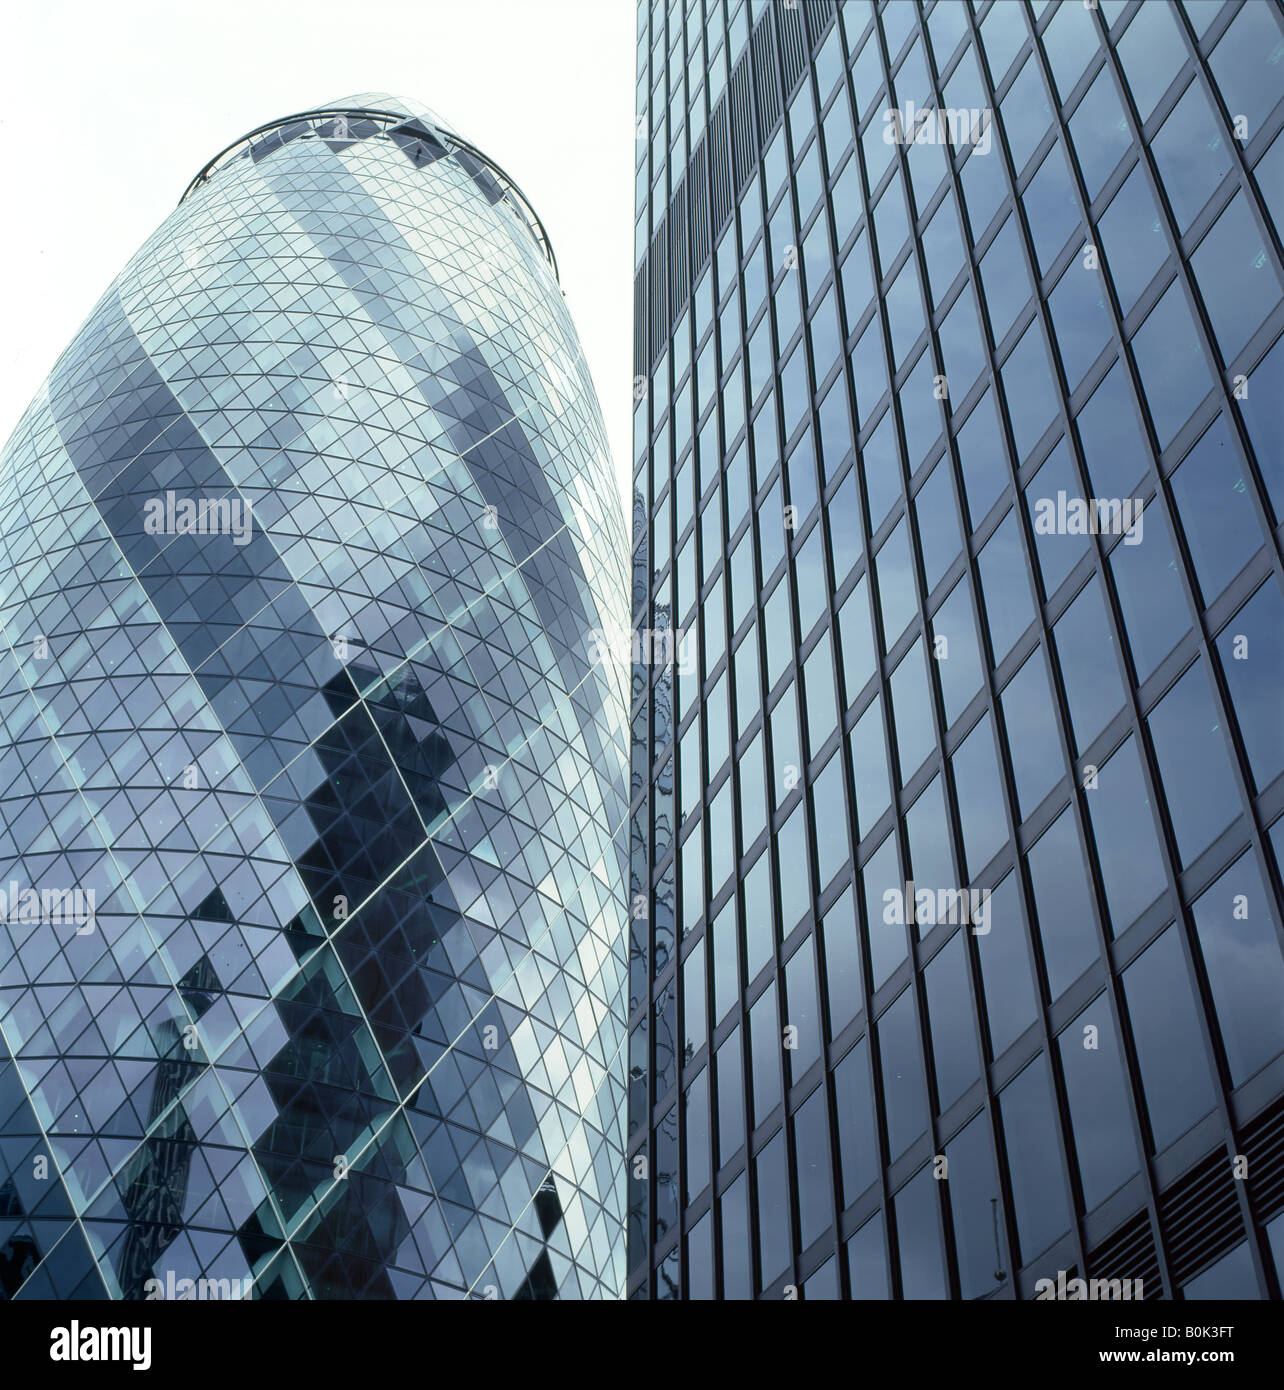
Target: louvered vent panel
<point>742,132</point>
<point>819,13</point>
<point>698,200</point>
<point>640,363</point>
<point>1129,1254</point>
<point>1200,1217</point>
<point>764,79</point>
<point>1263,1146</point>
<point>719,168</point>
<point>678,250</point>
<point>793,49</point>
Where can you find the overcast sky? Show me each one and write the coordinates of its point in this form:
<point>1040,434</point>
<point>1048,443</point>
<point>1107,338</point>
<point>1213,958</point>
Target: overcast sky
<point>110,109</point>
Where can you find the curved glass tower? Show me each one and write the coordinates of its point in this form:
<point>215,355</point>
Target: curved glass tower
<point>311,950</point>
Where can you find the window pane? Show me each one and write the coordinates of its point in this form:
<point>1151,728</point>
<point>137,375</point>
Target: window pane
<point>1253,661</point>
<point>1216,512</point>
<point>1236,277</point>
<point>1034,738</point>
<point>975,1207</point>
<point>918,1233</point>
<point>1062,904</point>
<point>955,1057</point>
<point>857,1136</point>
<point>1166,1031</point>
<point>1089,667</point>
<point>1005,970</point>
<point>1034,1160</point>
<point>904,1089</point>
<point>1194,766</point>
<point>1100,1113</point>
<point>1240,945</point>
<point>811,1153</point>
<point>980,797</point>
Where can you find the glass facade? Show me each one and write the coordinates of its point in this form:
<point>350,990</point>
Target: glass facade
<point>312,795</point>
<point>955,958</point>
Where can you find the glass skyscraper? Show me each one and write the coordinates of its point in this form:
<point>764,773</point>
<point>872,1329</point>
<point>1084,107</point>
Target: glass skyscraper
<point>313,947</point>
<point>955,958</point>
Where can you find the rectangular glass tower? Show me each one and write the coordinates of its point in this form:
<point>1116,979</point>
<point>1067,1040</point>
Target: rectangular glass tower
<point>957,818</point>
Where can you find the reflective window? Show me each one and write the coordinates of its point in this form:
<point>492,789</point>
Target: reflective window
<point>1005,969</point>
<point>1110,434</point>
<point>1231,1277</point>
<point>842,963</point>
<point>1100,132</point>
<point>985,472</point>
<point>1070,40</point>
<point>857,1135</point>
<point>1034,1159</point>
<point>829,815</point>
<point>867,1261</point>
<point>956,652</point>
<point>811,1158</point>
<point>1252,659</point>
<point>961,347</point>
<point>883,885</point>
<point>1028,390</point>
<point>1246,60</point>
<point>1026,113</point>
<point>980,797</point>
<point>1089,666</point>
<point>1100,1112</point>
<point>953,1029</point>
<point>918,1238</point>
<point>943,248</point>
<point>695,1121</point>
<point>737,1260</point>
<point>912,712</point>
<point>1191,155</point>
<point>846,543</point>
<point>1062,904</point>
<point>1216,510</point>
<point>1002,32</point>
<point>936,514</point>
<point>976,1208</point>
<point>694,1032</point>
<point>1236,278</point>
<point>898,600</point>
<point>1167,1034</point>
<point>880,466</point>
<point>1004,279</point>
<point>920,411</point>
<point>1081,320</point>
<point>931,857</point>
<point>731,1098</point>
<point>1059,543</point>
<point>904,1089</point>
<point>1134,239</point>
<point>1033,736</point>
<point>857,640</point>
<point>1152,51</point>
<point>772,1174</point>
<point>1171,363</point>
<point>1194,765</point>
<point>765,1044</point>
<point>1239,941</point>
<point>1155,609</point>
<point>904,311</point>
<point>984,190</point>
<point>1005,585</point>
<point>803,1010</point>
<point>1124,829</point>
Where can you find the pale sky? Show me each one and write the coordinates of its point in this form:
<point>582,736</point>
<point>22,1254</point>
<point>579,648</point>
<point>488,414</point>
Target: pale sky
<point>111,109</point>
